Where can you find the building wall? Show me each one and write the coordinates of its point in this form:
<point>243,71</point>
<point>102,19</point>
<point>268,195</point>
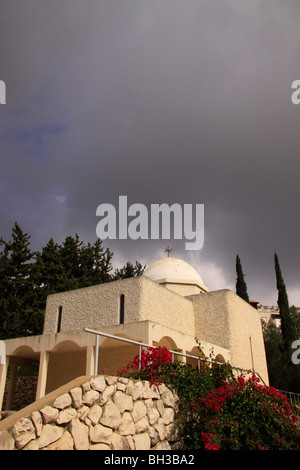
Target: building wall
<point>224,319</point>
<point>212,318</point>
<point>93,306</point>
<point>162,306</point>
<point>247,343</point>
<point>99,306</point>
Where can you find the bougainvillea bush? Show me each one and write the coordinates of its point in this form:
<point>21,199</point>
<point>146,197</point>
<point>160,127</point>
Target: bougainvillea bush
<point>220,409</point>
<point>152,365</point>
<point>242,415</point>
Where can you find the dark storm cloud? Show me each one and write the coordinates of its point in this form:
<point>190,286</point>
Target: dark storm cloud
<point>169,101</point>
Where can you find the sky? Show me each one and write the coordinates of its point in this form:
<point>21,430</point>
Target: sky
<point>163,101</point>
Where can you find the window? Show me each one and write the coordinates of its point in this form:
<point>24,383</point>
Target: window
<point>122,303</point>
<point>59,314</point>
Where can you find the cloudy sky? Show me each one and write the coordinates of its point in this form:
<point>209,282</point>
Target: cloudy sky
<point>164,101</point>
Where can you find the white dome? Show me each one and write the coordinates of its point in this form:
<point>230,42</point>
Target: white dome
<point>175,271</point>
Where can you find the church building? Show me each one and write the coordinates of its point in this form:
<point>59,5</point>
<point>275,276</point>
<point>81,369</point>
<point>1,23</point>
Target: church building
<point>168,305</point>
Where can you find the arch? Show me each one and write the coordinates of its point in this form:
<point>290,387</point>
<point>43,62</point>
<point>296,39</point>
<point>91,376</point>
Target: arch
<point>25,352</point>
<point>195,351</point>
<point>66,346</point>
<point>67,360</point>
<point>21,375</point>
<point>169,343</point>
<point>109,342</point>
<point>220,358</point>
<point>115,355</point>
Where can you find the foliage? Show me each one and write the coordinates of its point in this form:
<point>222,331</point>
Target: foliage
<point>219,409</point>
<point>287,325</point>
<point>241,287</point>
<point>20,313</point>
<point>242,415</point>
<point>283,374</point>
<point>150,366</point>
<point>129,270</point>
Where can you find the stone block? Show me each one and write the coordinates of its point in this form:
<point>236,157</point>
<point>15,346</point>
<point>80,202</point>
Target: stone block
<point>98,383</point>
<point>65,442</point>
<point>90,397</point>
<point>76,394</point>
<point>62,402</point>
<point>37,420</point>
<point>95,414</point>
<point>101,433</point>
<point>122,401</point>
<point>7,442</point>
<point>142,441</point>
<point>49,434</point>
<point>139,411</point>
<point>49,414</point>
<point>111,416</point>
<point>108,392</point>
<point>80,434</point>
<point>126,426</point>
<point>66,415</point>
<point>23,432</point>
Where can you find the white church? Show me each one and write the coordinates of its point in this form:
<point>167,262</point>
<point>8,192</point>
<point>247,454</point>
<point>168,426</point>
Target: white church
<point>169,305</point>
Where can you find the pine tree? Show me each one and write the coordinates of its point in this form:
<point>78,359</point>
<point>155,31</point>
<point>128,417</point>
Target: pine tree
<point>288,329</point>
<point>241,287</point>
<point>19,306</point>
<point>47,271</point>
<point>70,258</point>
<point>129,270</point>
<point>102,263</point>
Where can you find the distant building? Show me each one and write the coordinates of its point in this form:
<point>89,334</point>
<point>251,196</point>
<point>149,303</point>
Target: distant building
<point>271,313</point>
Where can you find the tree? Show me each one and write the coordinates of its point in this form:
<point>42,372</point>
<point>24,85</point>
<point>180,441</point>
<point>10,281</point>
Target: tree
<point>288,329</point>
<point>100,266</point>
<point>129,270</point>
<point>48,270</point>
<point>241,287</point>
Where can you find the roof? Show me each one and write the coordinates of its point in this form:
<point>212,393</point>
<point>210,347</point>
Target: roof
<point>174,270</point>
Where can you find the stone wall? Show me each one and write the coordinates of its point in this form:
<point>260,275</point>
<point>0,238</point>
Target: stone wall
<point>98,413</point>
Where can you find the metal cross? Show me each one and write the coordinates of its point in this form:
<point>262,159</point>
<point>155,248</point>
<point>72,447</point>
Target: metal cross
<point>168,250</point>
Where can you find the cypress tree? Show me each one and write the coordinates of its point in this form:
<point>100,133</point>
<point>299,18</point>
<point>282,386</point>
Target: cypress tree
<point>288,329</point>
<point>241,287</point>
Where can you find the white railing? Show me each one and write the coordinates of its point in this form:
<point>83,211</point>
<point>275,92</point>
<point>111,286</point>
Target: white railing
<point>291,396</point>
<point>144,345</point>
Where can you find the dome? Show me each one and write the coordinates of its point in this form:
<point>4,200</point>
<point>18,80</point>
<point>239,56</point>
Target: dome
<point>169,271</point>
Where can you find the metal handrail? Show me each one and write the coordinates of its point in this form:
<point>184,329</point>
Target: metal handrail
<point>293,397</point>
<point>144,345</point>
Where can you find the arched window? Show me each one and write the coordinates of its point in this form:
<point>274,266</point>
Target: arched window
<point>122,308</point>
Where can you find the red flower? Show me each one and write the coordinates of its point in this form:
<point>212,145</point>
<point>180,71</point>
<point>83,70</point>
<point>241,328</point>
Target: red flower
<point>209,446</point>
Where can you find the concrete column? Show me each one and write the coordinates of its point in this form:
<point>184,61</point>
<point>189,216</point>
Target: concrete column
<point>3,375</point>
<point>13,371</point>
<point>90,360</point>
<point>43,372</point>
